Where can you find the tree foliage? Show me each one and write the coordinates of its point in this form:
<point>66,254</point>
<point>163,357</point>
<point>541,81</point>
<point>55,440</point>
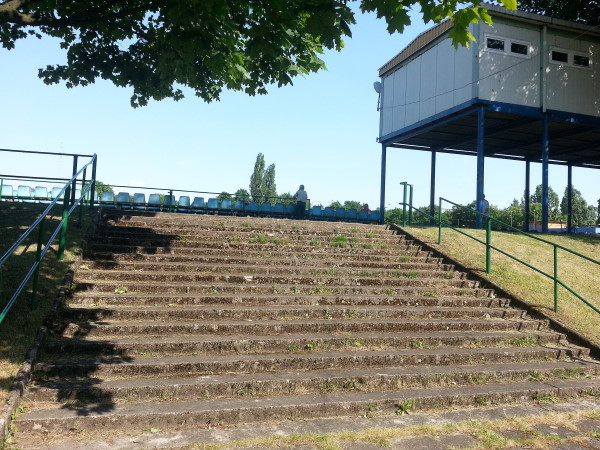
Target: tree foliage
<point>257,188</point>
<point>157,46</point>
<point>270,188</point>
<point>582,11</point>
<point>241,195</point>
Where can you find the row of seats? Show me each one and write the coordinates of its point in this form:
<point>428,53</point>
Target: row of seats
<point>29,194</point>
<point>227,207</point>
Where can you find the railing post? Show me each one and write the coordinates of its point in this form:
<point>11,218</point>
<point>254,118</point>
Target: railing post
<point>74,187</point>
<point>410,200</point>
<point>93,187</point>
<point>36,274</point>
<point>62,240</point>
<point>81,204</point>
<point>555,278</point>
<point>404,183</point>
<point>488,245</point>
<point>440,223</point>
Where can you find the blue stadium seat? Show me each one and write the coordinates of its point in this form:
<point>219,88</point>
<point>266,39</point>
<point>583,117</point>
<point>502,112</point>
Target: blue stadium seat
<point>169,203</point>
<point>183,206</point>
<point>198,204</point>
<point>290,210</point>
<point>40,193</point>
<point>107,199</point>
<point>225,206</point>
<point>328,213</point>
<point>139,201</point>
<point>316,212</point>
<point>265,209</point>
<point>364,216</point>
<point>238,206</point>
<point>375,216</point>
<point>123,201</point>
<point>351,215</point>
<point>7,192</point>
<point>24,193</point>
<point>212,204</point>
<point>56,192</point>
<point>278,210</point>
<point>154,203</point>
<point>252,208</point>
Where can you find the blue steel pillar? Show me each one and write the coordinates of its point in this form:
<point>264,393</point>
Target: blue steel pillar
<point>545,157</point>
<point>569,198</point>
<point>382,191</point>
<point>480,162</point>
<point>527,195</point>
<point>432,190</point>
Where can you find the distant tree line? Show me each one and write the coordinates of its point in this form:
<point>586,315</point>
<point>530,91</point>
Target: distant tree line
<point>513,215</point>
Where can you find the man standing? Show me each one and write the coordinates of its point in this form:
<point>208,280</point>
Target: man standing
<point>301,196</point>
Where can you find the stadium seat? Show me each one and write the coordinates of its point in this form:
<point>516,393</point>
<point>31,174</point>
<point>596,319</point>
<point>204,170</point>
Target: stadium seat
<point>351,215</point>
<point>123,201</point>
<point>169,203</point>
<point>56,192</point>
<point>24,193</point>
<point>198,205</point>
<point>316,212</point>
<point>364,216</point>
<point>107,199</point>
<point>225,206</point>
<point>7,192</point>
<point>375,216</point>
<point>328,213</point>
<point>154,203</point>
<point>40,193</point>
<point>238,207</point>
<point>183,206</point>
<point>265,209</point>
<point>139,201</point>
<point>252,208</point>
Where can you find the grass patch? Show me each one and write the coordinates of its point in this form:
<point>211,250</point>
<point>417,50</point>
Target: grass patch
<point>21,324</point>
<point>537,290</point>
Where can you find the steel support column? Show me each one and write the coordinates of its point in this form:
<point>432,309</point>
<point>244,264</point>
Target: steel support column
<point>480,161</point>
<point>527,195</point>
<point>569,198</point>
<point>545,158</point>
<point>432,189</point>
<point>382,191</point>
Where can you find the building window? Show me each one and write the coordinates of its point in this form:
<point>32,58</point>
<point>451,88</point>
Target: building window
<point>519,49</point>
<point>581,60</point>
<point>495,44</point>
<point>560,57</point>
<point>507,46</point>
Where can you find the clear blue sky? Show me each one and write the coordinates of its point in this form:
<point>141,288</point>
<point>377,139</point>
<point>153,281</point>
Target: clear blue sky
<point>320,132</point>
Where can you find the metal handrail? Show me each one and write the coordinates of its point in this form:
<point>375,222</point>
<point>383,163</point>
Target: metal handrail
<point>489,247</point>
<point>61,229</point>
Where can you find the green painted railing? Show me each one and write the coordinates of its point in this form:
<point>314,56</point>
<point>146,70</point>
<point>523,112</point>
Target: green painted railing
<point>69,204</point>
<point>407,218</point>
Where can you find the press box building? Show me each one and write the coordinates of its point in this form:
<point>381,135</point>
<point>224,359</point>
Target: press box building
<point>528,89</point>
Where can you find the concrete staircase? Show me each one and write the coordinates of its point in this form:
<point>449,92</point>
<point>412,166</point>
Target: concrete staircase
<point>178,322</point>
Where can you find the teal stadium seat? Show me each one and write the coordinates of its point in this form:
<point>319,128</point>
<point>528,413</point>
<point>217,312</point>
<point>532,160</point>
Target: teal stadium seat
<point>252,208</point>
<point>107,199</point>
<point>40,193</point>
<point>183,205</point>
<point>316,212</point>
<point>169,203</point>
<point>226,206</point>
<point>265,209</point>
<point>198,205</point>
<point>123,200</point>
<point>56,192</point>
<point>154,203</point>
<point>139,201</point>
<point>24,193</point>
<point>7,192</point>
<point>212,204</point>
<point>278,210</point>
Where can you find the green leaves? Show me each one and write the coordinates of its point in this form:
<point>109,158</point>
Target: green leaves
<point>156,46</point>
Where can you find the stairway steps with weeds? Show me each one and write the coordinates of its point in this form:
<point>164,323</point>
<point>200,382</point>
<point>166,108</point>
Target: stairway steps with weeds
<point>180,321</point>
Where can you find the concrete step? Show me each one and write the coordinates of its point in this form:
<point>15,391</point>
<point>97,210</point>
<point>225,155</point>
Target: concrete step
<point>132,346</point>
<point>224,263</point>
<point>195,232</point>
<point>284,312</point>
<point>313,381</point>
<point>256,276</point>
<point>398,270</point>
<point>398,298</point>
<point>246,256</point>
<point>432,288</point>
<point>274,327</point>
<point>194,365</point>
<point>230,411</point>
<point>182,247</point>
